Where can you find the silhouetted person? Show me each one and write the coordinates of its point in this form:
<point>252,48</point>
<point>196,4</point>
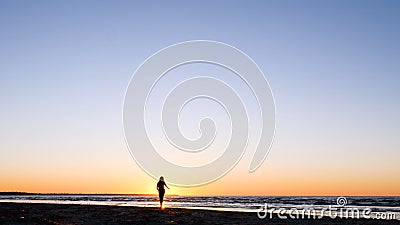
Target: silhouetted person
<point>161,189</point>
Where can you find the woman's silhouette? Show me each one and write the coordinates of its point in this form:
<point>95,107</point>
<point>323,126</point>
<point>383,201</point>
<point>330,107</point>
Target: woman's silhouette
<point>161,189</point>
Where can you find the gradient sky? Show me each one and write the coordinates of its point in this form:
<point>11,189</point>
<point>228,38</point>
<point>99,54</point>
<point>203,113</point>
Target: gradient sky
<point>333,67</point>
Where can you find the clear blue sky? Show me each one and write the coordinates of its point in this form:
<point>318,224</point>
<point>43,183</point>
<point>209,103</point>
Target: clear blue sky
<point>333,66</point>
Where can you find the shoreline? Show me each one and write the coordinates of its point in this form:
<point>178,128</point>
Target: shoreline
<point>45,213</point>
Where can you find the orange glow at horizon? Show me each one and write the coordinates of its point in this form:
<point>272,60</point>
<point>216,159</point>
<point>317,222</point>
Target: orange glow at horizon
<point>237,182</point>
<point>303,173</point>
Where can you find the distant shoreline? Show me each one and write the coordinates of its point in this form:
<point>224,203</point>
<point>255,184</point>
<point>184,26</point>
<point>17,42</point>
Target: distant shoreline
<point>29,193</point>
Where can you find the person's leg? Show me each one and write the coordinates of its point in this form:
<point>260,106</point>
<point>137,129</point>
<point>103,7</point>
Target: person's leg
<point>161,196</point>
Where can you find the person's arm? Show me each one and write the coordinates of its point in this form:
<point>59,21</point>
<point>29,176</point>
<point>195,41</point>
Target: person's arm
<point>166,185</point>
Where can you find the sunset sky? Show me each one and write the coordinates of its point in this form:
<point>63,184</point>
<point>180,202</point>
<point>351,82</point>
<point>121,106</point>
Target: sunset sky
<point>333,67</point>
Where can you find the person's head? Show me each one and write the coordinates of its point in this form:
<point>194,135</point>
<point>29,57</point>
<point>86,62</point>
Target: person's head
<point>161,178</point>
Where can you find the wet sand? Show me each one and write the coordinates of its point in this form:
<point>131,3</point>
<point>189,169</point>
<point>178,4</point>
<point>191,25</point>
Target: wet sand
<point>22,213</point>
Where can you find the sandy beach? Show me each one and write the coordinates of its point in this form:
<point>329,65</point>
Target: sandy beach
<point>22,213</point>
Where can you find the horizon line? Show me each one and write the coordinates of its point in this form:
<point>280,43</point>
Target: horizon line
<point>144,194</point>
